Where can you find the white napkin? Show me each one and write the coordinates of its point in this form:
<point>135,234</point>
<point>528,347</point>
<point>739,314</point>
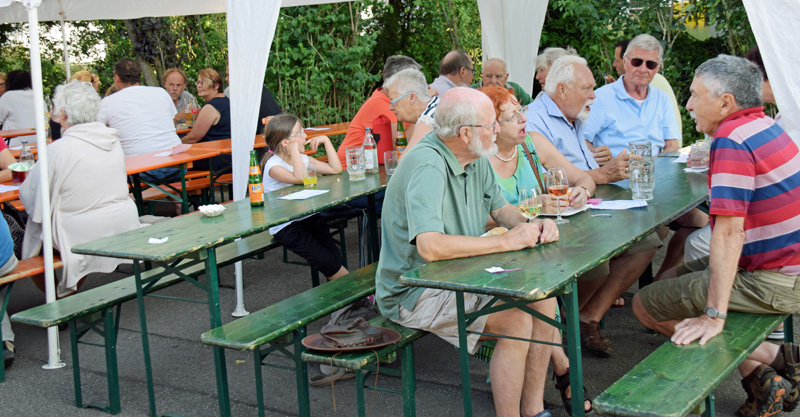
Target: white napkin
<point>619,204</point>
<point>302,195</point>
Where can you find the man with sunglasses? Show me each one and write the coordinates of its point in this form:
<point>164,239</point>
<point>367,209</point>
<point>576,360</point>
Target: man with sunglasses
<point>629,109</point>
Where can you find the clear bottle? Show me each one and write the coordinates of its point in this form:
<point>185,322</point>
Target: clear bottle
<point>370,153</point>
<point>26,155</point>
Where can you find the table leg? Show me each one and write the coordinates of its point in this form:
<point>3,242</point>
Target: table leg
<point>184,193</point>
<point>212,288</point>
<point>137,194</point>
<point>372,230</point>
<point>3,306</point>
<point>148,370</point>
<point>574,349</point>
<point>463,347</point>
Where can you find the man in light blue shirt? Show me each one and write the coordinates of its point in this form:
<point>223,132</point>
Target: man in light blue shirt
<point>560,116</point>
<point>629,109</point>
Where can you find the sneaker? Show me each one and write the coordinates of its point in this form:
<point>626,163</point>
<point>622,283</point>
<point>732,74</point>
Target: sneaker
<point>593,341</point>
<point>8,353</point>
<point>765,393</point>
<point>778,334</point>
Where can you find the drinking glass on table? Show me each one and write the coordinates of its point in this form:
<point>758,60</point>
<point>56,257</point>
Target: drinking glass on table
<point>530,202</point>
<point>356,163</point>
<point>557,186</point>
<point>310,175</point>
<point>390,161</point>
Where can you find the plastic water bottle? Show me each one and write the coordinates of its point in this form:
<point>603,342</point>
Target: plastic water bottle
<point>370,153</point>
<point>26,155</point>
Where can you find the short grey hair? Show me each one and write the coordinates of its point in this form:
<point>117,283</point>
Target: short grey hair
<point>409,80</point>
<point>550,55</point>
<point>397,63</point>
<point>647,43</point>
<point>727,74</point>
<point>562,71</point>
<point>457,107</point>
<point>79,100</point>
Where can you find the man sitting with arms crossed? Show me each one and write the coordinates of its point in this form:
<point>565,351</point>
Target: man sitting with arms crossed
<point>437,205</point>
<point>559,115</point>
<point>754,263</point>
<point>494,73</point>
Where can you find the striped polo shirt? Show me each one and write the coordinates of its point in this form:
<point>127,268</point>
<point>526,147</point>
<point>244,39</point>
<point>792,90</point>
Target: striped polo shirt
<point>755,173</point>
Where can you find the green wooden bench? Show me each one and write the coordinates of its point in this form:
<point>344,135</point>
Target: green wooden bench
<point>283,324</point>
<point>674,380</point>
<point>81,310</point>
<point>367,360</point>
<point>24,269</point>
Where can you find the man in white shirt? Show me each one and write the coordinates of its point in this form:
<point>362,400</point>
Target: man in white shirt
<point>142,115</point>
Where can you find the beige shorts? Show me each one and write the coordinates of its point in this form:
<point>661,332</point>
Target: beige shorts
<point>436,312</point>
<point>759,291</point>
<point>650,241</point>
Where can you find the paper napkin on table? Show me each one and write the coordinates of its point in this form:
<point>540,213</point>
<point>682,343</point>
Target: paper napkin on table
<point>619,204</point>
<point>302,195</point>
<point>6,188</point>
<point>683,158</point>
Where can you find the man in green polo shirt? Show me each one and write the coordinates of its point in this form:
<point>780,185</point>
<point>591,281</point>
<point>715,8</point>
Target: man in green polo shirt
<point>436,207</point>
<point>494,73</point>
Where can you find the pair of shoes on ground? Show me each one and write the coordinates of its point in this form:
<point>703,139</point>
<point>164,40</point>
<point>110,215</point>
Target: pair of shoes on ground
<point>339,374</point>
<point>593,341</point>
<point>766,392</point>
<point>562,385</point>
<point>8,353</point>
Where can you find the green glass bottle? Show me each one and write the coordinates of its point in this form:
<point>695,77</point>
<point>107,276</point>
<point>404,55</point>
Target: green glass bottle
<point>254,182</point>
<point>401,138</point>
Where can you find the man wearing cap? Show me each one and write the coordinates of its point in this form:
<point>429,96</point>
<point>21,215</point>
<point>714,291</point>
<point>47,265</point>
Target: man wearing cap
<point>442,217</point>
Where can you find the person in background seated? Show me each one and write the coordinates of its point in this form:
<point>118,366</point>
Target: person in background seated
<point>8,261</point>
<point>88,188</point>
<point>308,236</point>
<point>494,73</point>
<point>2,83</point>
<point>455,70</point>
<point>410,101</point>
<point>545,60</point>
<point>174,81</point>
<point>16,105</point>
<point>429,218</point>
<point>88,77</point>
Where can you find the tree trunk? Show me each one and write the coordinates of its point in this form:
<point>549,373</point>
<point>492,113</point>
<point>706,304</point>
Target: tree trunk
<point>147,69</point>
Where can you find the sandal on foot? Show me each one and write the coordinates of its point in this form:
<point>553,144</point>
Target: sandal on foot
<point>562,384</point>
<point>321,380</point>
<point>791,356</point>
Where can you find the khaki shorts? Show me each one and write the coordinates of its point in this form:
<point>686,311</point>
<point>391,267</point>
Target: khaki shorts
<point>651,241</point>
<point>759,291</point>
<point>436,312</point>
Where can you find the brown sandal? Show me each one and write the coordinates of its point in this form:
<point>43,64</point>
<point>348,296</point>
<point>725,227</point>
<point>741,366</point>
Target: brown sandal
<point>562,384</point>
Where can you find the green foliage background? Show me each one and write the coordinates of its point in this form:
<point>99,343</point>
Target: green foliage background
<point>326,59</point>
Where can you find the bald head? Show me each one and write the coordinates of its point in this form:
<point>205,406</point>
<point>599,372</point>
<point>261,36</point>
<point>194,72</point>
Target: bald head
<point>494,73</point>
<point>457,66</point>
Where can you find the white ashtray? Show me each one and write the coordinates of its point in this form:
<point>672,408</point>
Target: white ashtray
<point>212,210</point>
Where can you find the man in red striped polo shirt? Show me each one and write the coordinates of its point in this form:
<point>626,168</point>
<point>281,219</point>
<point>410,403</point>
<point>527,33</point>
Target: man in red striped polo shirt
<point>754,263</point>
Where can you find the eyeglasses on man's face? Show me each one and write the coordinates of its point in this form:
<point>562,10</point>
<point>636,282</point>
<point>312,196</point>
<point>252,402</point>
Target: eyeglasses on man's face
<point>491,126</point>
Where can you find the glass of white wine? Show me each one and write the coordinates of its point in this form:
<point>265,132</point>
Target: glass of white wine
<point>558,186</point>
<point>530,202</point>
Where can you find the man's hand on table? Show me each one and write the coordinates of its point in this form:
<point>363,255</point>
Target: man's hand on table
<point>528,235</point>
<point>617,168</point>
<point>703,328</point>
<point>602,154</point>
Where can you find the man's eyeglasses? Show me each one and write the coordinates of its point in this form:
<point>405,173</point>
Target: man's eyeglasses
<point>393,102</point>
<point>469,69</point>
<point>516,115</point>
<point>637,62</point>
<point>491,126</point>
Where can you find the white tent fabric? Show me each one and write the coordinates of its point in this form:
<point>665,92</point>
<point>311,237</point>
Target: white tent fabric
<point>773,22</point>
<point>510,30</point>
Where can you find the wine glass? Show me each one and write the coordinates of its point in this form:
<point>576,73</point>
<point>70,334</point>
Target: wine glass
<point>530,202</point>
<point>557,186</point>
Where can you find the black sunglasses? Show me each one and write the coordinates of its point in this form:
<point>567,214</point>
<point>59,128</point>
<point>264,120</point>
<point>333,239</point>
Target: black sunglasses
<point>637,62</point>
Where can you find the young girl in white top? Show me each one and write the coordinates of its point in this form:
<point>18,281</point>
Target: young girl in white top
<point>308,236</point>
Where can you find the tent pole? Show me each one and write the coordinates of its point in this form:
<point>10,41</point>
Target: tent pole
<point>240,311</point>
<point>54,351</point>
<point>64,38</point>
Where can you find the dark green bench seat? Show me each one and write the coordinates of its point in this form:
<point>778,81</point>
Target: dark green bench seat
<point>85,306</point>
<point>674,380</point>
<point>282,324</point>
<point>367,360</point>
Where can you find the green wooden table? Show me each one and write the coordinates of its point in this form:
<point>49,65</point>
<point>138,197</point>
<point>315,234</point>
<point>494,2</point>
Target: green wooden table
<point>194,238</point>
<point>551,270</point>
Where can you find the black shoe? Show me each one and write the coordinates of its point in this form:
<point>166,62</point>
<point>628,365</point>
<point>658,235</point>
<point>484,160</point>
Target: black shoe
<point>8,353</point>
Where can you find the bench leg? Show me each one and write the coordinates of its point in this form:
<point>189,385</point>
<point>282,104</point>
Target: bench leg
<point>788,329</point>
<point>3,306</point>
<point>362,412</point>
<point>220,369</point>
<point>110,332</point>
<point>257,358</point>
<point>409,380</point>
<point>709,411</point>
<point>574,349</point>
<point>76,367</point>
<point>301,373</point>
<point>148,368</point>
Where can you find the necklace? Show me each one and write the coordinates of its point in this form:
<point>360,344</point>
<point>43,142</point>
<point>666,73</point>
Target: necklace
<point>510,158</point>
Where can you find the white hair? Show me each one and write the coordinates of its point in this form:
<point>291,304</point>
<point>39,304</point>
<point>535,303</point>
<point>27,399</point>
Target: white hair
<point>562,71</point>
<point>79,100</point>
<point>457,108</point>
<point>550,55</point>
<point>409,80</point>
<point>727,74</point>
<point>645,42</point>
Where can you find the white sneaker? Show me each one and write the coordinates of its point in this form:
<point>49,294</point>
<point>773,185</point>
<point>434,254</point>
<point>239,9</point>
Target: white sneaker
<point>776,335</point>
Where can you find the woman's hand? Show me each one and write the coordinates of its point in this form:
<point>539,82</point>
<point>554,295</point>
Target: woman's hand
<point>549,204</point>
<point>315,142</point>
<point>577,196</point>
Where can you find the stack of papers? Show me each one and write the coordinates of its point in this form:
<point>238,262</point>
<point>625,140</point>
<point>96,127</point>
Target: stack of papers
<point>619,204</point>
<point>302,195</point>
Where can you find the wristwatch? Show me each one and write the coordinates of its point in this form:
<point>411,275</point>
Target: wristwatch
<point>714,313</point>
